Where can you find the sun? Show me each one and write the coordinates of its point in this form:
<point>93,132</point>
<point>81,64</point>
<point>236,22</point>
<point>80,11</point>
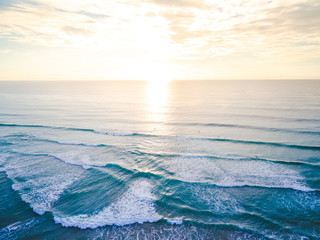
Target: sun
<point>158,78</point>
<point>149,71</point>
<point>154,73</point>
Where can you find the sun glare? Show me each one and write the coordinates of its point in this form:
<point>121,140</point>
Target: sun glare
<point>147,71</point>
<point>153,74</point>
<point>157,99</point>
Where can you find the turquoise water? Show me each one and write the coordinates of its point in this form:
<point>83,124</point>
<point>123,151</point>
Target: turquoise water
<point>178,160</point>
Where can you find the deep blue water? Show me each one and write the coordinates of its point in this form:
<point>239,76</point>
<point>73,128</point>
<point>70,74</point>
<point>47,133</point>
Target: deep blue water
<point>181,160</point>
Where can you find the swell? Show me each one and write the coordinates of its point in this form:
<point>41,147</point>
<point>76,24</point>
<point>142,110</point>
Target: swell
<point>305,190</point>
<point>169,202</point>
<point>85,221</point>
<point>157,176</point>
<point>286,130</point>
<point>85,166</point>
<point>286,119</point>
<point>275,144</point>
<point>67,128</point>
<point>110,166</point>
<point>32,138</point>
<point>163,155</point>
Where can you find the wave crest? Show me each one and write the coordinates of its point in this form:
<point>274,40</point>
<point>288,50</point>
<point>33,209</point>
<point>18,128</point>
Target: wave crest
<point>236,173</point>
<point>135,206</point>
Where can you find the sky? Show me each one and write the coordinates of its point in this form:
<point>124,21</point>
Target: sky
<point>159,40</point>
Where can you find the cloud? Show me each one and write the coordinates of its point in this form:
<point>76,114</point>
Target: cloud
<point>264,28</point>
<point>170,29</point>
<point>5,51</point>
<point>93,15</point>
<point>75,31</point>
<point>181,3</point>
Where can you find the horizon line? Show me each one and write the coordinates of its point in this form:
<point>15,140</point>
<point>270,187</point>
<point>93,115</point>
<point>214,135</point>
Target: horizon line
<point>136,80</point>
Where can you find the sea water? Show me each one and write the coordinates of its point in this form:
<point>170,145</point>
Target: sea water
<point>160,160</point>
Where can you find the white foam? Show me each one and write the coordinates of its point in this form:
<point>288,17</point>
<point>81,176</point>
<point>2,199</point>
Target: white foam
<point>3,159</point>
<point>114,133</point>
<point>229,173</point>
<point>135,206</point>
<point>79,158</point>
<point>44,191</point>
<point>165,231</point>
<point>175,221</point>
<point>216,199</point>
<point>44,180</point>
<point>77,144</point>
<point>299,202</point>
<point>12,231</point>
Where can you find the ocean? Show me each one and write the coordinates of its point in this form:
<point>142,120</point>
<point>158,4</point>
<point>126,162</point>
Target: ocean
<point>150,160</point>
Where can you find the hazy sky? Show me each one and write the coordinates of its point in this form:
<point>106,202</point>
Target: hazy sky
<point>159,39</point>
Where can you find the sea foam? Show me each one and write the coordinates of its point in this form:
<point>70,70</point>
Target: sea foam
<point>113,133</point>
<point>218,200</point>
<point>39,180</point>
<point>233,173</point>
<point>79,158</point>
<point>137,205</point>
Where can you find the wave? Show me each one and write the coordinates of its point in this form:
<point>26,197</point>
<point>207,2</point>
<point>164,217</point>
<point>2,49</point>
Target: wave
<point>75,144</point>
<point>222,172</point>
<point>218,200</point>
<point>162,155</point>
<point>12,231</point>
<point>262,143</point>
<point>275,179</point>
<point>139,152</point>
<point>233,173</point>
<point>165,231</point>
<point>68,129</point>
<point>135,206</point>
<point>113,133</point>
<point>224,157</point>
<point>27,137</point>
<point>177,221</point>
<point>77,158</point>
<point>71,143</point>
<point>39,182</point>
<point>72,158</point>
<point>269,129</point>
<point>275,144</point>
<point>286,119</point>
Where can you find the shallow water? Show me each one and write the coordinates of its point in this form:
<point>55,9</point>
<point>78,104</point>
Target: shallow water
<point>179,160</point>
